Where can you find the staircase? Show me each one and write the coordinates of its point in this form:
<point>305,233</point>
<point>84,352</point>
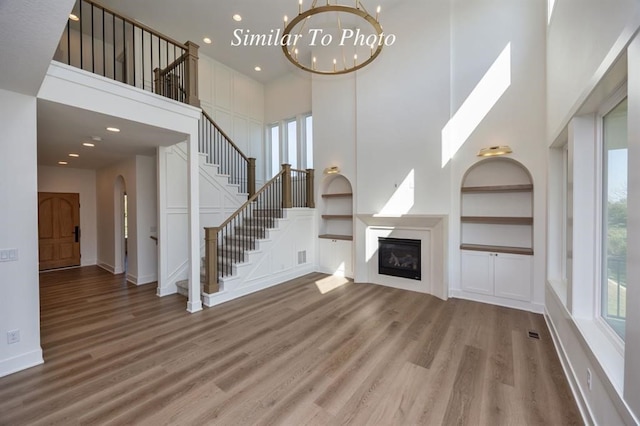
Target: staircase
<point>245,241</point>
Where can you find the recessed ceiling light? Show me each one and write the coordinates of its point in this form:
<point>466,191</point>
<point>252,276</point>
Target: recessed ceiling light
<point>113,129</point>
<point>62,163</point>
<point>258,69</point>
<point>207,40</point>
<point>237,18</point>
<point>96,138</point>
<point>89,144</point>
<point>73,17</point>
<point>74,155</point>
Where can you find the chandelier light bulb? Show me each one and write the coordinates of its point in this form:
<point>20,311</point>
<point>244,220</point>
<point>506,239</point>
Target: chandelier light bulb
<point>378,13</point>
<point>372,37</point>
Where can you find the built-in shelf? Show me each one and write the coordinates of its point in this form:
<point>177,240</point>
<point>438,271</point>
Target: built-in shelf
<point>498,188</point>
<point>338,195</point>
<point>336,237</point>
<point>497,249</point>
<point>497,220</point>
<point>337,216</point>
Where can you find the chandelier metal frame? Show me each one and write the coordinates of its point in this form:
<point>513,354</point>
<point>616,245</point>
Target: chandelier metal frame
<point>358,11</point>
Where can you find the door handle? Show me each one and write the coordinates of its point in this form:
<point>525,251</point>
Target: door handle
<point>76,231</point>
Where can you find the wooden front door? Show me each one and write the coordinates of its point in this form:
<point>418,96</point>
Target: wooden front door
<point>58,230</point>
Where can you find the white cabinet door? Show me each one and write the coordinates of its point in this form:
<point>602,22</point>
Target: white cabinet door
<point>335,257</point>
<point>512,276</point>
<point>477,272</point>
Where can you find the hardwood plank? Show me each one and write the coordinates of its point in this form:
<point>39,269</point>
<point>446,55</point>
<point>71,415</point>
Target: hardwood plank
<point>497,220</point>
<point>498,249</point>
<point>360,354</point>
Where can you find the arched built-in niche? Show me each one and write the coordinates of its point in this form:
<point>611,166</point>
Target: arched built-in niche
<point>496,236</point>
<point>337,208</point>
<point>336,226</point>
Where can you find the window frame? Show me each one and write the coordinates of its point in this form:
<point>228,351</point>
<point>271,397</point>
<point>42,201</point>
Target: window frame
<point>612,102</point>
<point>302,145</point>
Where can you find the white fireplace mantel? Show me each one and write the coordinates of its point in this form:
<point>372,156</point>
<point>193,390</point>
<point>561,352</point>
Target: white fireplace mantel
<point>430,229</point>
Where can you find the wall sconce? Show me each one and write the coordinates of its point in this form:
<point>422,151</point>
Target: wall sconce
<point>495,150</point>
<point>333,170</point>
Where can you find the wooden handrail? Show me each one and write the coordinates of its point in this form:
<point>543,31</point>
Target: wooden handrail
<point>250,200</point>
<point>224,135</point>
<point>137,24</point>
<point>172,65</point>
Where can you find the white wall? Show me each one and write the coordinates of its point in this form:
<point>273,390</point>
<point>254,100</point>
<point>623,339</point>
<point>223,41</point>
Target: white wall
<point>19,304</point>
<point>109,256</point>
<point>139,174</point>
<point>385,125</point>
<point>236,103</point>
<point>488,35</point>
<point>584,38</point>
<point>287,97</point>
<point>146,219</point>
<point>62,179</point>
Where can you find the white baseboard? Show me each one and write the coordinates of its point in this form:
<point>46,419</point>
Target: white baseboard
<point>492,300</point>
<point>88,262</point>
<point>145,279</point>
<point>107,267</point>
<point>21,362</point>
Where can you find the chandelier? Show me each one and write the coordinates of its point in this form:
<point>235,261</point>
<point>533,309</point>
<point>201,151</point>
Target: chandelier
<point>333,38</point>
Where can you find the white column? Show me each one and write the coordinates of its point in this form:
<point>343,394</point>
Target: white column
<point>193,170</point>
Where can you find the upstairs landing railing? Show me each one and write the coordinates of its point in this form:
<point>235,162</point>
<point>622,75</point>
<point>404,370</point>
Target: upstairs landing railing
<point>107,43</point>
<point>226,245</point>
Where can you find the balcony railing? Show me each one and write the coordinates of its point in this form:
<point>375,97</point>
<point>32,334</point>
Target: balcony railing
<point>107,43</point>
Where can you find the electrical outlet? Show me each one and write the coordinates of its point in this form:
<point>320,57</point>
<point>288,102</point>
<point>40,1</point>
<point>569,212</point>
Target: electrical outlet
<point>13,336</point>
<point>589,379</point>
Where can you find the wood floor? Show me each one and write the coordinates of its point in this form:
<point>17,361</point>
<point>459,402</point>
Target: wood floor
<point>290,355</point>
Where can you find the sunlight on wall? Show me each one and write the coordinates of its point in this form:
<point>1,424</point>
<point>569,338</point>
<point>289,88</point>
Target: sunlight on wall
<point>328,284</point>
<point>550,5</point>
<point>402,200</point>
<point>372,243</point>
<point>477,105</point>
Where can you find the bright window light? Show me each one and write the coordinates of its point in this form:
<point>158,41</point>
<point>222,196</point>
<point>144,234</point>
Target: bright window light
<point>402,200</point>
<point>475,108</point>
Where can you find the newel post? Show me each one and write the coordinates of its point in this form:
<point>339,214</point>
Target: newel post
<point>311,203</point>
<point>211,260</point>
<point>156,80</point>
<point>191,65</point>
<point>251,177</point>
<point>287,201</point>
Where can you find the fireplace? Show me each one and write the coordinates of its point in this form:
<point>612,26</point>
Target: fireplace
<point>399,257</point>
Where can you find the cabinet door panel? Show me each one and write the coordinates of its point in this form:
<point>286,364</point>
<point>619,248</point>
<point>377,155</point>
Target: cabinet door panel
<point>335,257</point>
<point>477,272</point>
<point>512,274</point>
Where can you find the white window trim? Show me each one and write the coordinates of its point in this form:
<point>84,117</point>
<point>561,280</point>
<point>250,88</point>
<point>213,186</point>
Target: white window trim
<point>283,142</point>
<point>618,96</point>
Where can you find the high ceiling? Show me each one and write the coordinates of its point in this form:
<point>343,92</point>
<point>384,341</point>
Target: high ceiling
<point>62,130</point>
<point>195,19</point>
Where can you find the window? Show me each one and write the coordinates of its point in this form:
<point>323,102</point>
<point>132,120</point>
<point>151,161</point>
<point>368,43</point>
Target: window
<point>291,141</point>
<point>274,141</point>
<point>308,128</point>
<point>614,218</point>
